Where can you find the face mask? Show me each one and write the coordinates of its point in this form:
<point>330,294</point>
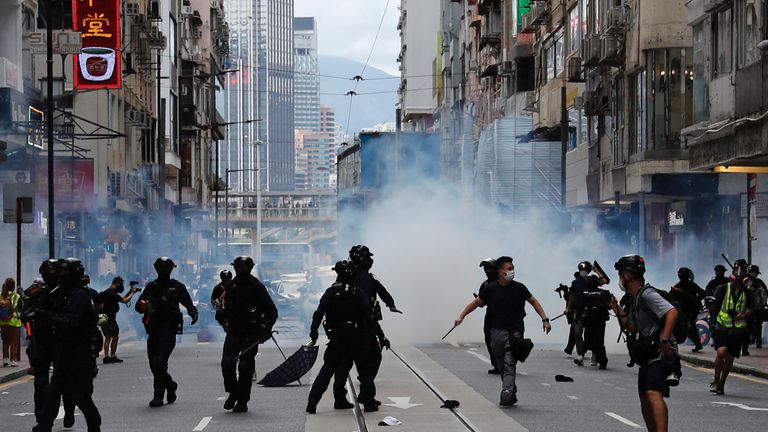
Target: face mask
<point>583,273</point>
<point>622,286</point>
<point>509,276</point>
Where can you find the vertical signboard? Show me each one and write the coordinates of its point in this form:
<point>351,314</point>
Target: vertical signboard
<point>98,64</point>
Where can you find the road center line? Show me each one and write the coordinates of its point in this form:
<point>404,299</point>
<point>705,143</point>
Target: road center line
<point>203,423</point>
<point>623,420</point>
<point>485,359</point>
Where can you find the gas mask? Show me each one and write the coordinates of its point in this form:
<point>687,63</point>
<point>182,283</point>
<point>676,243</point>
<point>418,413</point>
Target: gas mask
<point>622,284</point>
<point>509,276</point>
<point>120,288</point>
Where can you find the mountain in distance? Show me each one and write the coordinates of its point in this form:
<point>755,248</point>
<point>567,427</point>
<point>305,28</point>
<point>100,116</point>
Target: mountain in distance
<point>367,110</point>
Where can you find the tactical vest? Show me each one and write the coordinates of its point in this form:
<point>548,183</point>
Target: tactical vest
<point>726,316</point>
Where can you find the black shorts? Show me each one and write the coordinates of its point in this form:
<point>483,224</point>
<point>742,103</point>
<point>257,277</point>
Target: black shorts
<point>731,341</point>
<point>110,328</point>
<point>653,377</point>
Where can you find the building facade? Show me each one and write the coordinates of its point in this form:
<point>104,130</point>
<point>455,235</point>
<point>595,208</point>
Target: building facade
<point>307,76</point>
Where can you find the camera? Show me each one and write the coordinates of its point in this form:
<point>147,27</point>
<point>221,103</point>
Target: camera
<point>133,286</point>
<point>600,298</point>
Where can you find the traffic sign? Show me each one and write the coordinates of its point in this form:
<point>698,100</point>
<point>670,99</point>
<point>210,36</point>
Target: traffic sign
<point>25,191</point>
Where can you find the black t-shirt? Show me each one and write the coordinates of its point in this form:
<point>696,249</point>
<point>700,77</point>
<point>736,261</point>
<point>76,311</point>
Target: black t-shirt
<point>508,303</point>
<point>110,300</point>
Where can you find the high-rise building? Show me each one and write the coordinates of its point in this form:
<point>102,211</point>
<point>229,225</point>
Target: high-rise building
<point>307,78</point>
<point>260,94</point>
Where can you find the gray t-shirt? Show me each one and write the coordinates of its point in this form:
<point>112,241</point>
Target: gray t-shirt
<point>654,303</point>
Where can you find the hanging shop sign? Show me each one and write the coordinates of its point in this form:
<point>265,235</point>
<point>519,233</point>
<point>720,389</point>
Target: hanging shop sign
<point>98,64</point>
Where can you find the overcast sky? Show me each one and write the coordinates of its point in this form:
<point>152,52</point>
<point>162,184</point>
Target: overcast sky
<point>346,28</point>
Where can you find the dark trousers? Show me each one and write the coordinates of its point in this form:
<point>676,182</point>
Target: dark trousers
<point>160,344</point>
<point>487,333</point>
<point>571,339</point>
<point>40,360</point>
<point>338,359</point>
<point>73,373</point>
<point>238,386</point>
<point>594,339</point>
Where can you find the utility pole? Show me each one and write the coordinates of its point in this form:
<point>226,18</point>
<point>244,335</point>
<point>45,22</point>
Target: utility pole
<point>49,120</point>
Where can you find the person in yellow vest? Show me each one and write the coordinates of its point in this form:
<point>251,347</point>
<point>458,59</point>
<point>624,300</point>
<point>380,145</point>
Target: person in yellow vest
<point>10,323</point>
<point>732,306</point>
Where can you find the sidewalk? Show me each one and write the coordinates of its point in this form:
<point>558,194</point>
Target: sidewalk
<point>755,364</point>
<point>12,373</point>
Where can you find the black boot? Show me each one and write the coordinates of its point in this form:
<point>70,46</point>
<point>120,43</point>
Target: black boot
<point>69,419</point>
<point>172,387</point>
<point>230,402</point>
<point>311,406</point>
<point>157,399</point>
<point>342,404</point>
<point>240,406</point>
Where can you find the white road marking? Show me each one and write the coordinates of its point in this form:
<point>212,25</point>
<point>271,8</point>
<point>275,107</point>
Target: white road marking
<point>623,420</point>
<point>23,414</point>
<point>523,373</point>
<point>473,349</point>
<point>401,402</point>
<point>485,359</point>
<point>573,397</point>
<point>203,343</point>
<point>545,384</point>
<point>740,406</point>
<point>203,423</point>
<point>221,398</point>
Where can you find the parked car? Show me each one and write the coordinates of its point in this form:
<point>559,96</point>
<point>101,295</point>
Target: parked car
<point>286,293</point>
<point>318,280</point>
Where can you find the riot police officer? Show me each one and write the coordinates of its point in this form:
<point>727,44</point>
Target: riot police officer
<point>489,268</point>
<point>218,290</point>
<point>249,315</point>
<point>159,302</point>
<point>42,344</point>
<point>74,363</point>
<point>688,296</point>
<point>355,336</point>
<point>590,311</point>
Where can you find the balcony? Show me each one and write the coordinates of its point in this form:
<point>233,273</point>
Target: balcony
<point>485,6</point>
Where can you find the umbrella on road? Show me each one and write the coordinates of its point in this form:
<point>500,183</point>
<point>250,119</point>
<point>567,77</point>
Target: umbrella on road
<point>293,368</point>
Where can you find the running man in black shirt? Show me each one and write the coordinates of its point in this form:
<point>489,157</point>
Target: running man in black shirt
<point>507,298</point>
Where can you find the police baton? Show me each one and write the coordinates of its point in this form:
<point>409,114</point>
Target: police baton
<point>727,260</point>
<point>449,331</point>
<point>562,314</point>
<point>253,345</point>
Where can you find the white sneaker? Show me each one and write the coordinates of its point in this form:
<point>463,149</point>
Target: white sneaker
<point>13,364</point>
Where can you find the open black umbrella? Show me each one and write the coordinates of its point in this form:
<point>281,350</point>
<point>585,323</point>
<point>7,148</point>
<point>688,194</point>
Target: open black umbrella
<point>293,368</point>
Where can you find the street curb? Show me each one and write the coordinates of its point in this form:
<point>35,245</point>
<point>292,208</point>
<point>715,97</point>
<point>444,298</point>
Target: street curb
<point>710,363</point>
<point>15,375</point>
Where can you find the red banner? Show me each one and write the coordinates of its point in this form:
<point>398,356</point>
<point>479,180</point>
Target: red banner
<point>98,65</point>
<point>72,183</point>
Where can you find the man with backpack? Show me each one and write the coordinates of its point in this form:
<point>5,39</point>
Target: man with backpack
<point>732,307</point>
<point>688,296</point>
<point>760,314</point>
<point>655,320</point>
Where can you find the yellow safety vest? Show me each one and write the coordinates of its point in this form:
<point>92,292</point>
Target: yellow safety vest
<point>14,320</point>
<point>724,318</point>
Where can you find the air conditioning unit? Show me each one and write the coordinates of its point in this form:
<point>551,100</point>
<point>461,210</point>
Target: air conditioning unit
<point>617,18</point>
<point>528,26</point>
<point>530,101</point>
<point>610,52</point>
<point>196,34</point>
<point>589,103</point>
<point>187,10</point>
<point>574,69</point>
<point>591,50</point>
<point>130,115</point>
<point>538,11</point>
<point>132,9</point>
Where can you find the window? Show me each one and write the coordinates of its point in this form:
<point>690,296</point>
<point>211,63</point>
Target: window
<point>555,57</point>
<point>172,40</point>
<point>173,113</point>
<point>637,108</point>
<point>723,47</point>
<point>747,31</point>
<point>574,34</point>
<point>618,131</point>
<point>700,73</point>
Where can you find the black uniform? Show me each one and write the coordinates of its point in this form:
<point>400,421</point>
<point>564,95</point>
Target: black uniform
<point>594,316</point>
<point>373,289</point>
<point>250,315</point>
<point>73,320</point>
<point>353,331</point>
<point>42,347</point>
<point>162,321</point>
<point>688,297</point>
<point>487,320</point>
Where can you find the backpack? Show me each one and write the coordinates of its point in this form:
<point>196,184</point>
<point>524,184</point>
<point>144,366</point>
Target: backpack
<point>760,294</point>
<point>680,332</point>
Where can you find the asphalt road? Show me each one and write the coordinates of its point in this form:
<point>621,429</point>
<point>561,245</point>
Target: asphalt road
<point>595,401</point>
<point>606,400</point>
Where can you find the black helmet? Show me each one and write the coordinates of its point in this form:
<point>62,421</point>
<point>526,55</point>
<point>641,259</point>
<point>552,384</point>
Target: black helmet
<point>719,268</point>
<point>86,279</point>
<point>244,260</point>
<point>740,267</point>
<point>684,273</point>
<point>631,263</point>
<point>358,253</point>
<point>753,269</point>
<point>345,270</point>
<point>741,262</point>
<point>164,262</point>
<point>488,262</point>
<point>48,266</point>
<point>225,275</point>
<point>585,266</point>
<point>71,270</point>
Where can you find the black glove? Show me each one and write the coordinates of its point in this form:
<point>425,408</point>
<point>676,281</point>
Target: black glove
<point>385,343</point>
<point>194,315</point>
<point>313,335</point>
<point>394,309</point>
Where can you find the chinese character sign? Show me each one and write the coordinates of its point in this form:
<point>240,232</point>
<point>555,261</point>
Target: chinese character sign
<point>98,65</point>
